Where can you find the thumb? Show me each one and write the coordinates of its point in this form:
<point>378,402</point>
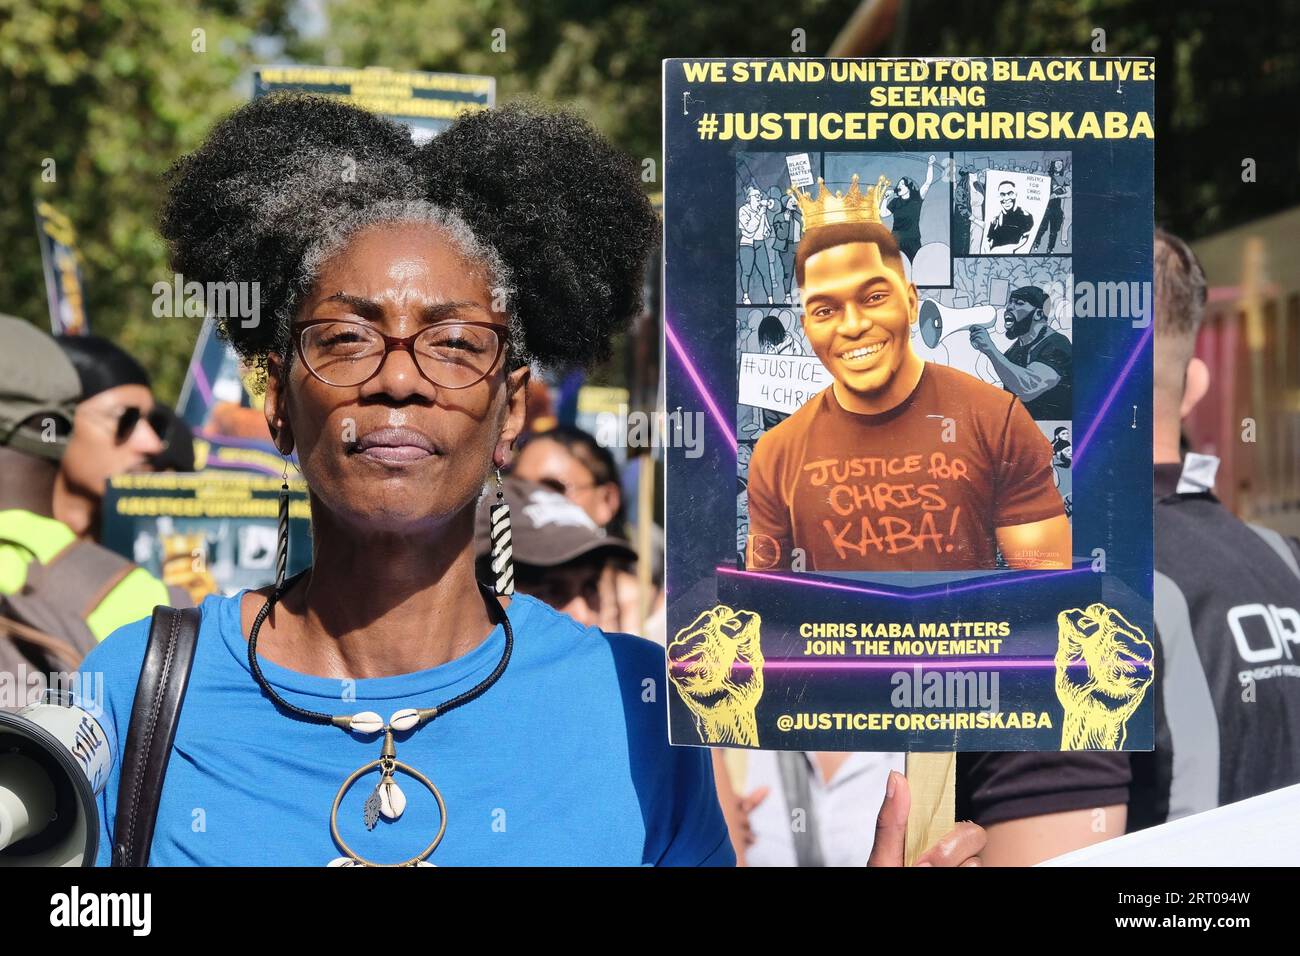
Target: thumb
<point>756,797</point>
<point>891,824</point>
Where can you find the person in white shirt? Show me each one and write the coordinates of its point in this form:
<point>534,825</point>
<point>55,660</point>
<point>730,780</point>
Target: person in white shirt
<point>820,808</point>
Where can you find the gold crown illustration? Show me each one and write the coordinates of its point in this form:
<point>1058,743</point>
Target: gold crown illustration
<point>831,209</point>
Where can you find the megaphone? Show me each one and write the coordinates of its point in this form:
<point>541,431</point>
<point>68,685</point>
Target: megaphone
<point>937,338</point>
<point>54,761</point>
<point>937,321</point>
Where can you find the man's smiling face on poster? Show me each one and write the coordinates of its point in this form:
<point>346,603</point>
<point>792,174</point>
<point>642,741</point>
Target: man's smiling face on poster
<point>858,311</point>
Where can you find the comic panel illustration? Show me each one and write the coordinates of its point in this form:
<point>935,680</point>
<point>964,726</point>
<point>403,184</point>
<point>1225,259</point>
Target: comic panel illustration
<point>769,224</point>
<point>1012,203</point>
<point>914,206</point>
<point>923,427</point>
<point>1005,321</point>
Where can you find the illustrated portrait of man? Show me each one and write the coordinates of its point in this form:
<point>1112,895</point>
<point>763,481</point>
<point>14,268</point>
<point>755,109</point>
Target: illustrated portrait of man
<point>899,464</point>
<point>1037,368</point>
<point>1009,229</point>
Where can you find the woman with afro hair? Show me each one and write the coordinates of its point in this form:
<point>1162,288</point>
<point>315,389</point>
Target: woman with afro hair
<point>383,707</point>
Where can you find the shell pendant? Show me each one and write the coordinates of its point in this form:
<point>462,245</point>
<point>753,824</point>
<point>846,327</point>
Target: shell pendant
<point>391,799</point>
<point>386,799</point>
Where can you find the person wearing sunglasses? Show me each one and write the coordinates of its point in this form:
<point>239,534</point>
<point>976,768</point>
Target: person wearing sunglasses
<point>59,594</point>
<point>117,430</point>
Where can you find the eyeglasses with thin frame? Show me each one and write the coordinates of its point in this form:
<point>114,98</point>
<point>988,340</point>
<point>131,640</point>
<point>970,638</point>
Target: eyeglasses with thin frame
<point>453,354</point>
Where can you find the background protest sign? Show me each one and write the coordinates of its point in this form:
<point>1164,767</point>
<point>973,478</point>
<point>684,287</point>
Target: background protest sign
<point>208,533</point>
<point>62,264</point>
<point>425,102</point>
<point>800,169</point>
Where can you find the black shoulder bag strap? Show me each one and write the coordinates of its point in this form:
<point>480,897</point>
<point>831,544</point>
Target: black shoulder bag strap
<point>158,697</point>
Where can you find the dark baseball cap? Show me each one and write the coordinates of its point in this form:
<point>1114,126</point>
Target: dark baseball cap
<point>38,388</point>
<point>1031,294</point>
<point>546,528</point>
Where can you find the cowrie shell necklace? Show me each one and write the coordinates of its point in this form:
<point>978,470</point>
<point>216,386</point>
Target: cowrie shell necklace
<point>387,799</point>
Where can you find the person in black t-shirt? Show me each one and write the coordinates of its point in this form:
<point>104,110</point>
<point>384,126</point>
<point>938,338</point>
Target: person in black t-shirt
<point>1038,367</point>
<point>1008,231</point>
<point>904,207</point>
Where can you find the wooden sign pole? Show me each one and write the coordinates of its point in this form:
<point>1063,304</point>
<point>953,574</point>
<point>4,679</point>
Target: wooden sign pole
<point>645,514</point>
<point>932,780</point>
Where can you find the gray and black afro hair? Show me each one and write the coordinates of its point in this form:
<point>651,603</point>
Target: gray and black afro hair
<point>554,214</point>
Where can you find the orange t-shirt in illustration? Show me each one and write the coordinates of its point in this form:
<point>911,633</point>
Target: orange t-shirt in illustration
<point>921,487</point>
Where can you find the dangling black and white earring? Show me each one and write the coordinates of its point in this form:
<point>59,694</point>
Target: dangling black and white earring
<point>282,544</point>
<point>503,565</point>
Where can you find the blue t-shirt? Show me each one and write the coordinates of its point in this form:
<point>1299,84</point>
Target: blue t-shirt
<point>565,760</point>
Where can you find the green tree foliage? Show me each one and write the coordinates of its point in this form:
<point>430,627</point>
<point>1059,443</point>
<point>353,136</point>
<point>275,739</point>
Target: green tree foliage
<point>1227,81</point>
<point>112,91</point>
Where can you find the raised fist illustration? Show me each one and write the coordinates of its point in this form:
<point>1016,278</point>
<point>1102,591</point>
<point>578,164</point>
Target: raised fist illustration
<point>716,664</point>
<point>1104,666</point>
